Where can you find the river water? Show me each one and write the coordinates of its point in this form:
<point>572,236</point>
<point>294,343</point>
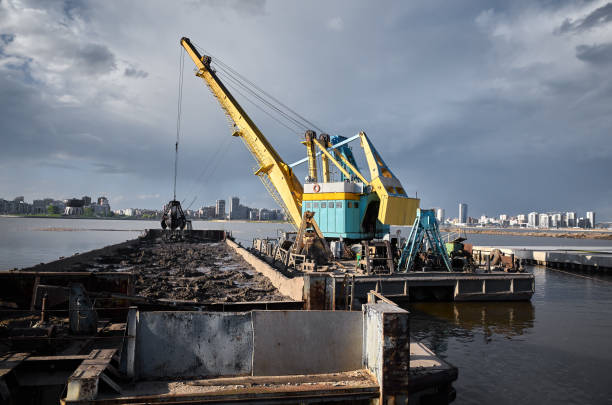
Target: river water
<point>552,350</point>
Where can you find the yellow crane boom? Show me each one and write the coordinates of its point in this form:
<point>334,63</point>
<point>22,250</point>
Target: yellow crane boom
<point>276,175</point>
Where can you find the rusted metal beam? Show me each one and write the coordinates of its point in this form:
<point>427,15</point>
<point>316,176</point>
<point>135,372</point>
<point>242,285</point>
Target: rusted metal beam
<point>83,383</point>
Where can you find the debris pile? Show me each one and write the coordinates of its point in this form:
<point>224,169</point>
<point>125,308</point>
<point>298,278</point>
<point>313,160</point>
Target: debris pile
<point>179,268</point>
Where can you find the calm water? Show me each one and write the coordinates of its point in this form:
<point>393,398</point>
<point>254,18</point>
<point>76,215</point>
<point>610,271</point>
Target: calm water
<point>552,350</point>
<point>25,242</point>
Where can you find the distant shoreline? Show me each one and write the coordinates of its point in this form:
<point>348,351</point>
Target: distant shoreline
<point>124,218</point>
<point>561,233</point>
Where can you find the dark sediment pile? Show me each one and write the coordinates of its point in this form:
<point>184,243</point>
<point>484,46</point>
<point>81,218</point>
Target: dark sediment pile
<point>202,272</point>
<point>181,269</point>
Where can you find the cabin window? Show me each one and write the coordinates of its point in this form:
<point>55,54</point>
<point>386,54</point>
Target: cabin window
<point>350,205</point>
<point>308,205</point>
<point>323,205</point>
<point>339,204</point>
<point>331,205</point>
<point>356,205</point>
<point>316,205</point>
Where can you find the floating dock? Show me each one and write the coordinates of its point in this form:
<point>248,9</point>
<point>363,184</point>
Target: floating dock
<point>576,258</point>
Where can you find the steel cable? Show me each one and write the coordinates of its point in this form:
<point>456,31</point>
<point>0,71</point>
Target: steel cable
<point>178,115</point>
<point>263,100</point>
<point>229,70</point>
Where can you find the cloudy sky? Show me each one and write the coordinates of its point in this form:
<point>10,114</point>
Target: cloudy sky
<point>506,106</point>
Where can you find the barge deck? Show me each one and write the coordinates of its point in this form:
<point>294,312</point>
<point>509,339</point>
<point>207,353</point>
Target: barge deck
<point>338,289</point>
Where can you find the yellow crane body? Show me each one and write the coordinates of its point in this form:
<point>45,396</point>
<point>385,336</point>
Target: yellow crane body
<point>276,175</point>
<point>355,208</point>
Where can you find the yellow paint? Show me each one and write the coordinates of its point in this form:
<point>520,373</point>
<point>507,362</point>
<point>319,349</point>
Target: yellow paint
<point>395,207</point>
<point>280,175</point>
<point>326,153</point>
<point>324,159</point>
<point>330,196</point>
<point>346,162</point>
<point>312,158</point>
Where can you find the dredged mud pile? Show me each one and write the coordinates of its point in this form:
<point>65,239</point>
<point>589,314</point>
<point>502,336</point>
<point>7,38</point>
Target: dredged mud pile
<point>182,269</point>
<point>202,272</point>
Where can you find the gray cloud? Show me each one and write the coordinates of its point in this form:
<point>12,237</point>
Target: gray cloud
<point>135,73</point>
<point>74,8</point>
<point>106,168</point>
<point>253,7</point>
<point>600,54</point>
<point>7,38</point>
<point>95,59</point>
<point>597,17</point>
<point>461,111</point>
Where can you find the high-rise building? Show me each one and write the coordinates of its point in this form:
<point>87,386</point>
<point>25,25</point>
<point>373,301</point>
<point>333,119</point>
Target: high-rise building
<point>571,218</point>
<point>556,220</point>
<point>234,208</point>
<point>532,219</point>
<point>521,218</point>
<point>503,217</point>
<point>440,215</point>
<point>220,209</point>
<point>86,200</point>
<point>463,213</point>
<point>103,207</point>
<point>544,221</point>
<point>39,207</point>
<point>207,212</point>
<point>590,219</point>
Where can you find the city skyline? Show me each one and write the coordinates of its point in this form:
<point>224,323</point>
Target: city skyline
<point>39,206</point>
<point>510,97</point>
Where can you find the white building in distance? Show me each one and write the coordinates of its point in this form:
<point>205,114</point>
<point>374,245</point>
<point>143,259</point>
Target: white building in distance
<point>571,219</point>
<point>440,215</point>
<point>590,219</point>
<point>532,219</point>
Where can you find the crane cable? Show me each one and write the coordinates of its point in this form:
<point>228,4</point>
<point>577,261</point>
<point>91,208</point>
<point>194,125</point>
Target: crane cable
<point>276,105</point>
<point>283,114</point>
<point>178,115</point>
<point>254,103</point>
<point>219,62</point>
<point>259,98</point>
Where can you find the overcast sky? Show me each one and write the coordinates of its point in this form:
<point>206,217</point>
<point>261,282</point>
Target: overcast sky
<point>506,106</point>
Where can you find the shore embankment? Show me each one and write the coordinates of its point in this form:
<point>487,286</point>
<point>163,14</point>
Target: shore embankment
<point>573,234</point>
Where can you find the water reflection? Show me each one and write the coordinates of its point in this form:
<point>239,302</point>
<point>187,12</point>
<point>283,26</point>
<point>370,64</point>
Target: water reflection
<point>502,318</point>
<point>436,322</point>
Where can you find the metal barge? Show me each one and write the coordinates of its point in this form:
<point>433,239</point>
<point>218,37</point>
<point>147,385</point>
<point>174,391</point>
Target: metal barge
<point>341,286</point>
<point>84,337</point>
